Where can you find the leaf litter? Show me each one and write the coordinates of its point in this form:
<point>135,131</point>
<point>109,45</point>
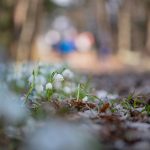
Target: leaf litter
<point>120,121</point>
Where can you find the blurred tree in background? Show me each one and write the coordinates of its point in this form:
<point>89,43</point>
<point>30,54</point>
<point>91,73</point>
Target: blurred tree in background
<point>123,25</point>
<point>147,3</point>
<point>6,25</point>
<point>19,24</point>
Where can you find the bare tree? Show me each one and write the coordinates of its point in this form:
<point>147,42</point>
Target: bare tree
<point>148,27</point>
<point>19,18</point>
<point>103,25</point>
<point>124,27</point>
<point>29,29</point>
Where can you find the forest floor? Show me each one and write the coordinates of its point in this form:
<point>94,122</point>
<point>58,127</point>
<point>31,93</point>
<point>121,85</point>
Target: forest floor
<point>121,124</point>
<point>120,120</point>
<point>133,130</point>
<point>92,62</point>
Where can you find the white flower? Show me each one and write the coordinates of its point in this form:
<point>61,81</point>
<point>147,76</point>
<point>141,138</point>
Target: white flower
<point>85,99</point>
<point>40,80</point>
<point>57,85</point>
<point>68,74</point>
<point>39,88</point>
<point>102,94</point>
<point>49,86</point>
<point>31,79</point>
<point>58,78</point>
<point>12,111</point>
<point>73,87</point>
<point>67,90</point>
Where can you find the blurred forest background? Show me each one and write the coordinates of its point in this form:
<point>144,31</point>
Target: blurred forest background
<point>118,27</point>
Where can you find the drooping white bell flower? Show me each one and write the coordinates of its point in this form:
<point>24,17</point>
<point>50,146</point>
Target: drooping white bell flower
<point>57,85</point>
<point>40,80</point>
<point>39,88</point>
<point>85,99</point>
<point>67,90</point>
<point>102,94</point>
<point>68,74</point>
<point>58,78</point>
<point>49,86</point>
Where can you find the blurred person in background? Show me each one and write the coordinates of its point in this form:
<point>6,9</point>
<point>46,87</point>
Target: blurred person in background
<point>66,46</point>
<point>84,41</point>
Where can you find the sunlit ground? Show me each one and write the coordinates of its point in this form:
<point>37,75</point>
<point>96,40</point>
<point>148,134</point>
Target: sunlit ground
<point>92,62</point>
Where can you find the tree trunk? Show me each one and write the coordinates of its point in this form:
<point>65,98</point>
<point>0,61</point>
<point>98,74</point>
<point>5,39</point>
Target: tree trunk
<point>19,18</point>
<point>148,34</point>
<point>29,30</point>
<point>124,28</point>
<point>138,26</point>
<point>103,25</point>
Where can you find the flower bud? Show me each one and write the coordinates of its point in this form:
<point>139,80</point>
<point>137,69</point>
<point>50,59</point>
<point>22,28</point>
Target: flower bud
<point>49,86</point>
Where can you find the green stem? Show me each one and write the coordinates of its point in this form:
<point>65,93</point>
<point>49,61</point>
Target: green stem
<point>78,92</point>
<point>29,92</point>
